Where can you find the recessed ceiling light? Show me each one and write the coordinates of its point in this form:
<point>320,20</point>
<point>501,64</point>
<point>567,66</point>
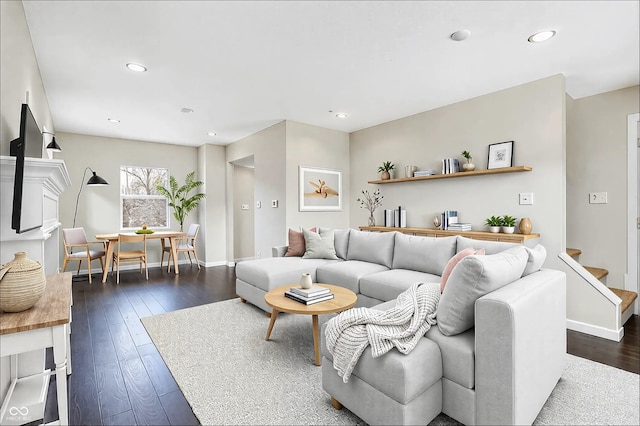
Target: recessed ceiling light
<point>186,110</point>
<point>136,67</point>
<point>211,133</point>
<point>113,120</point>
<point>341,115</point>
<point>460,35</point>
<point>541,36</point>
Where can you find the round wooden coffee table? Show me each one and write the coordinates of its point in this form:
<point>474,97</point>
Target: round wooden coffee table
<point>343,299</point>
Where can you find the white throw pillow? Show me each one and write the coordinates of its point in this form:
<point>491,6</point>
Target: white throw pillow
<point>319,245</point>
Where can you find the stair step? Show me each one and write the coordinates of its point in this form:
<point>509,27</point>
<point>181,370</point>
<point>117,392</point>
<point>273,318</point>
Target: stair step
<point>573,252</point>
<point>599,273</point>
<point>627,297</point>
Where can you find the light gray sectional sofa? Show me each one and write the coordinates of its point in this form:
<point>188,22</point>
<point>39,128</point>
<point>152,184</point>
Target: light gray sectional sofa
<point>496,354</point>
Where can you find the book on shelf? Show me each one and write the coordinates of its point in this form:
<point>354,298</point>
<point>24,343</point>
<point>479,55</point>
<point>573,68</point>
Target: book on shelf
<point>315,290</point>
<point>307,300</point>
<point>424,173</point>
<point>450,165</point>
<point>449,217</point>
<point>459,227</point>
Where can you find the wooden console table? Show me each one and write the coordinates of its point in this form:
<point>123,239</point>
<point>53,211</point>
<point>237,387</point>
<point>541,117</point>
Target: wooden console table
<point>476,235</point>
<point>45,325</point>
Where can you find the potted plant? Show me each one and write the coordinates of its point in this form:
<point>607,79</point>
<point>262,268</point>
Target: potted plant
<point>386,167</point>
<point>179,199</point>
<point>371,202</point>
<point>468,166</point>
<point>508,224</point>
<point>494,222</point>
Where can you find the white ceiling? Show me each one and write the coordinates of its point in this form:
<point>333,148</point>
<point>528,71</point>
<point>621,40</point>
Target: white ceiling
<point>245,65</point>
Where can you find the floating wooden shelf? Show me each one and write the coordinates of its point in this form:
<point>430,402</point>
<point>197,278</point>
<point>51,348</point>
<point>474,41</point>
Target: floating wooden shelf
<point>515,169</point>
<point>476,235</point>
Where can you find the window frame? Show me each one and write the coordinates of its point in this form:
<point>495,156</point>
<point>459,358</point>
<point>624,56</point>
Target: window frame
<point>138,196</point>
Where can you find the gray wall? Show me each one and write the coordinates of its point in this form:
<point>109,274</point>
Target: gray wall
<point>19,73</point>
<point>243,229</point>
<point>532,115</point>
<point>597,162</point>
<point>212,211</point>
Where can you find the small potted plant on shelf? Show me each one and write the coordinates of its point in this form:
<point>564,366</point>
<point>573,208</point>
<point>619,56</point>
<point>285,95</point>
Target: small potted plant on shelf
<point>468,166</point>
<point>508,224</point>
<point>385,169</point>
<point>494,222</point>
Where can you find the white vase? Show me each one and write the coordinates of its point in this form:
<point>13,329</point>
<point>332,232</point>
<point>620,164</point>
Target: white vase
<point>508,229</point>
<point>494,229</point>
<point>305,281</point>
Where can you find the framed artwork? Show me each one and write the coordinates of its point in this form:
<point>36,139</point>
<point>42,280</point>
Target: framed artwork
<point>500,155</point>
<point>319,189</point>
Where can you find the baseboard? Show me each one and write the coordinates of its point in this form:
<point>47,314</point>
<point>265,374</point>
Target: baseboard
<point>131,266</point>
<point>217,263</point>
<point>595,330</point>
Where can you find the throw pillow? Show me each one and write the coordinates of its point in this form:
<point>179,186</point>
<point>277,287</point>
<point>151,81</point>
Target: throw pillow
<point>537,256</point>
<point>472,278</point>
<point>296,243</point>
<point>319,246</point>
<point>453,262</point>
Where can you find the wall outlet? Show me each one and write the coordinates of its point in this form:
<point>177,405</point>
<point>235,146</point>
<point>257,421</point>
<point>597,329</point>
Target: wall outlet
<point>274,203</point>
<point>597,198</point>
<point>258,204</point>
<point>244,206</point>
<point>526,198</point>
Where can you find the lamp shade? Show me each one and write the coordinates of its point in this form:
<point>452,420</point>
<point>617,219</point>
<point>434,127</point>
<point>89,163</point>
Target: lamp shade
<point>96,180</point>
<point>53,145</point>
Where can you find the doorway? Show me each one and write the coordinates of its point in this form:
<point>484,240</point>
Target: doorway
<point>633,205</point>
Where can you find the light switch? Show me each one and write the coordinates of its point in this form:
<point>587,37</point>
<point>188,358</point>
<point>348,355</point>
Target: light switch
<point>526,198</point>
<point>258,204</point>
<point>274,203</point>
<point>244,206</point>
<point>597,198</point>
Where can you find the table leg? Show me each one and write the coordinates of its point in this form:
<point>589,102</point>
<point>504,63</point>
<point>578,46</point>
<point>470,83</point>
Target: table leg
<point>108,260</point>
<point>172,241</point>
<point>316,339</point>
<point>60,360</point>
<point>274,315</point>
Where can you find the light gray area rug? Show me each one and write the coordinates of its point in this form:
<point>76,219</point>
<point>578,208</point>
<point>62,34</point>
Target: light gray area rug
<point>231,375</point>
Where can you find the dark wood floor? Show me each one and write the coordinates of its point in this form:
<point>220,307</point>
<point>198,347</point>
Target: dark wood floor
<point>119,378</point>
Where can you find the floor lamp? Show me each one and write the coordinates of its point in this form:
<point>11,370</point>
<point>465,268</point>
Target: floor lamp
<point>94,180</point>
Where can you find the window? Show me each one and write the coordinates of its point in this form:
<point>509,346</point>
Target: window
<point>140,201</point>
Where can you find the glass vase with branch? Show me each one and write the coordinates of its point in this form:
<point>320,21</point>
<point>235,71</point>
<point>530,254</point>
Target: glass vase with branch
<point>371,202</point>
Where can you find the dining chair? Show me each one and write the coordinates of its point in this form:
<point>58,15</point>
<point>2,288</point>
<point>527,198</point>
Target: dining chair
<point>130,256</point>
<point>186,244</point>
<point>76,238</point>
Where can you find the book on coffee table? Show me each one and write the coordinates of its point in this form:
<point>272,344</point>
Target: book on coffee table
<point>308,300</point>
<point>308,292</point>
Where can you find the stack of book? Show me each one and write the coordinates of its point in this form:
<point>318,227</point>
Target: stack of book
<point>309,296</point>
<point>427,172</point>
<point>459,226</point>
<point>450,165</point>
<point>449,217</point>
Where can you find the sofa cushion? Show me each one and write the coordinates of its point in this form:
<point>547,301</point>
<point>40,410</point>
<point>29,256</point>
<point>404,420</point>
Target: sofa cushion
<point>387,285</point>
<point>458,356</point>
<point>319,245</point>
<point>297,245</point>
<point>374,247</point>
<point>490,247</point>
<point>340,241</point>
<point>537,256</point>
<point>454,261</point>
<point>347,274</point>
<point>269,273</point>
<point>472,278</point>
<point>424,254</point>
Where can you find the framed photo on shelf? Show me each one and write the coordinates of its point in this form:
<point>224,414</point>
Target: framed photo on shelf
<point>319,189</point>
<point>500,155</point>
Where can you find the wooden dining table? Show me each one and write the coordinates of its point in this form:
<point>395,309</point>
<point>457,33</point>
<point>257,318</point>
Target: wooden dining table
<point>112,239</point>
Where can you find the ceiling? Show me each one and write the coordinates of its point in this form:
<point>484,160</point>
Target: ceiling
<point>245,65</point>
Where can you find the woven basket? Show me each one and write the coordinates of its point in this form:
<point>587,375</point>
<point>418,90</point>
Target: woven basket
<point>22,283</point>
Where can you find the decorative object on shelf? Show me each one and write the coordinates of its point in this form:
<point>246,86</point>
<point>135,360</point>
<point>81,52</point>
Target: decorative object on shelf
<point>94,180</point>
<point>500,155</point>
<point>450,165</point>
<point>305,281</point>
<point>400,217</point>
<point>389,218</point>
<point>371,202</point>
<point>494,223</point>
<point>385,170</point>
<point>508,224</point>
<point>436,222</point>
<point>179,198</point>
<point>525,226</point>
<point>409,171</point>
<point>320,189</point>
<point>22,283</point>
<point>468,166</point>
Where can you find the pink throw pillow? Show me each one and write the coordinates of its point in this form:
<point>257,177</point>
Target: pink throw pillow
<point>453,262</point>
<point>297,246</point>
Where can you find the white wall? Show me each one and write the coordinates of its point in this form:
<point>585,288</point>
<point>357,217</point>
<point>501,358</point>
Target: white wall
<point>531,114</point>
<point>597,162</point>
<point>243,229</point>
<point>211,213</point>
<point>313,146</point>
<point>19,73</point>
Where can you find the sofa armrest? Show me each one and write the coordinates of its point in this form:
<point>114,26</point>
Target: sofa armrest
<point>278,251</point>
<point>520,343</point>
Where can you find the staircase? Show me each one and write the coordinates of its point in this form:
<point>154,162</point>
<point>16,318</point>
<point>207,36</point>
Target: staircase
<point>628,297</point>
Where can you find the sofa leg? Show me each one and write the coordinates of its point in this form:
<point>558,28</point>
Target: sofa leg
<point>336,404</point>
<point>243,300</point>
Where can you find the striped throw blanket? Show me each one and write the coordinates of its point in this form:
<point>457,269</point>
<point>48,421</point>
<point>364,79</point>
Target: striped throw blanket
<point>349,333</point>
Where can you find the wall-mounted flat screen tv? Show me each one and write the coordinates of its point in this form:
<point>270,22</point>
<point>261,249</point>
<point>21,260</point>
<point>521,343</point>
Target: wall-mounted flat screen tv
<point>27,197</point>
